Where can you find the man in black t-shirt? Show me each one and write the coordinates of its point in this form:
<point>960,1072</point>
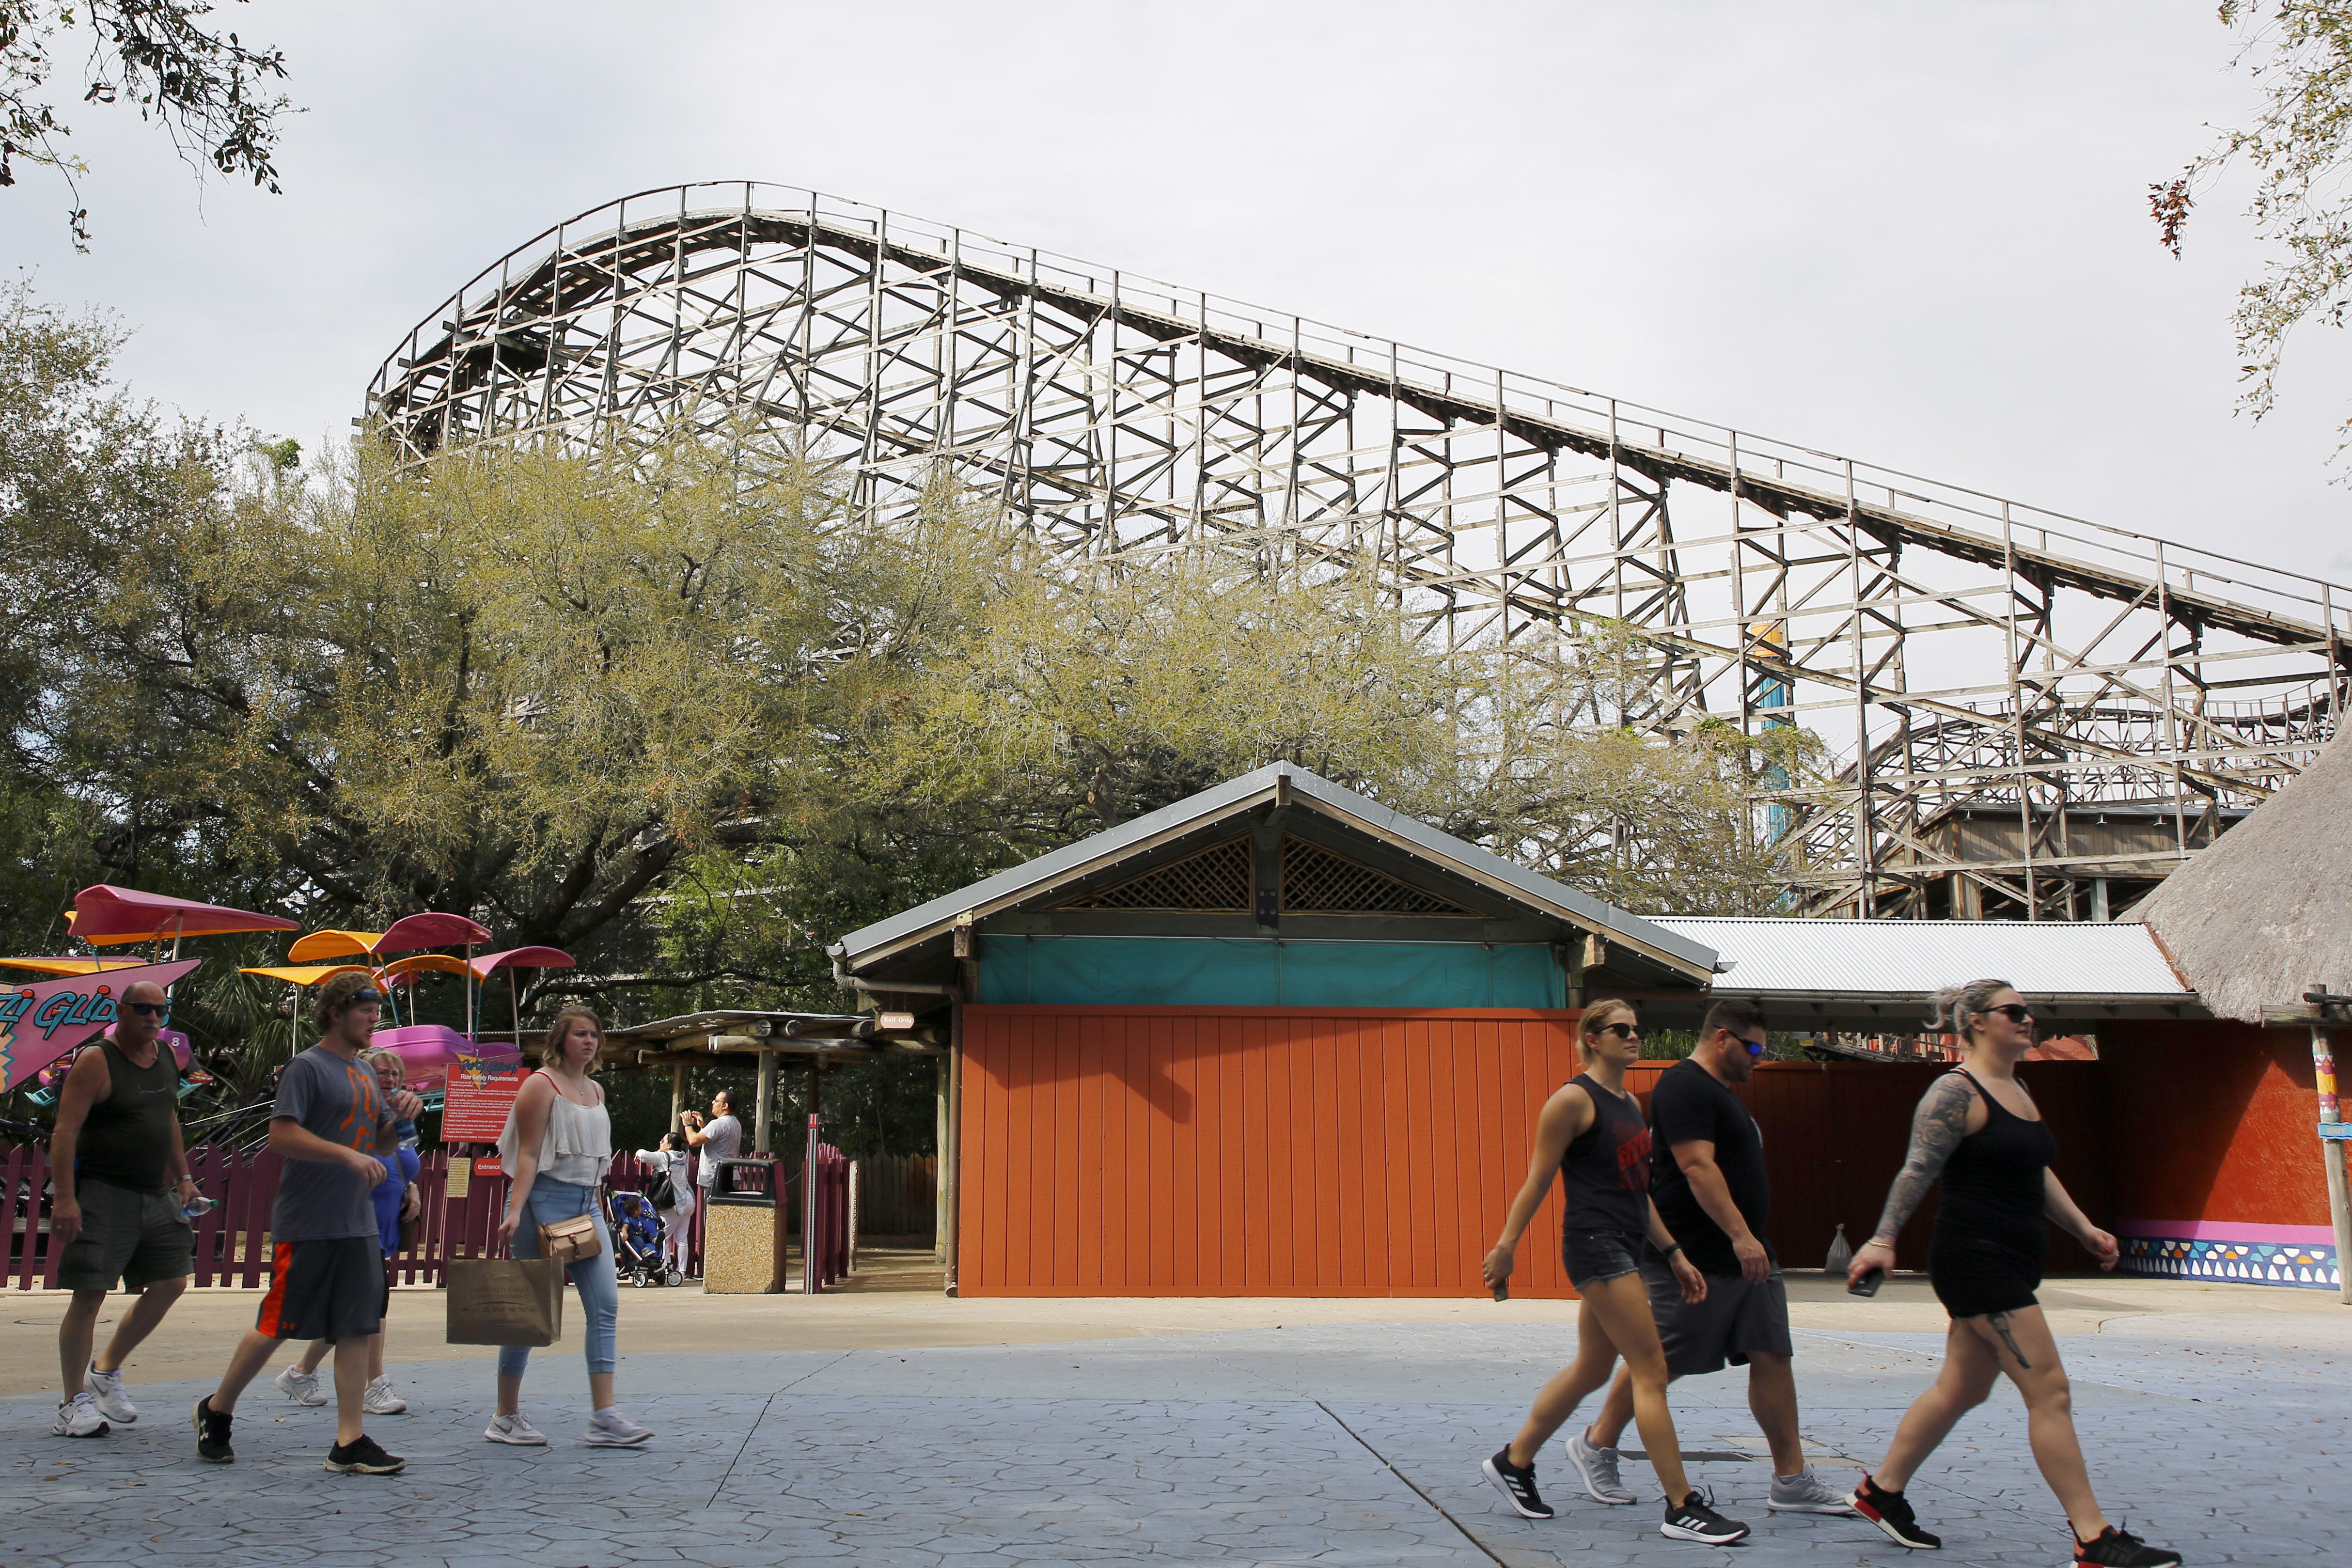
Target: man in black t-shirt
<point>1708,1178</point>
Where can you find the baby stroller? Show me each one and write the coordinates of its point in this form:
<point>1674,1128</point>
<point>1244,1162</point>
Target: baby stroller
<point>636,1240</point>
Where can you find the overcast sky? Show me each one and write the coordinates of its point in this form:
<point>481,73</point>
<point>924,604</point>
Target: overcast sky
<point>1913,234</point>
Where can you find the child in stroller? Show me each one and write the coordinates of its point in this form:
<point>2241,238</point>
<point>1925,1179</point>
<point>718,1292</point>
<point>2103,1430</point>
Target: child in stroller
<point>637,1240</point>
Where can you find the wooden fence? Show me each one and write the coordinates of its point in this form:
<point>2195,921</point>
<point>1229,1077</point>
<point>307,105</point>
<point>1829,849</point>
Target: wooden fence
<point>898,1196</point>
<point>232,1240</point>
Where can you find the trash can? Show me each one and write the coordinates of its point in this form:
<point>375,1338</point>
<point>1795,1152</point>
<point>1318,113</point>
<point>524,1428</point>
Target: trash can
<point>742,1246</point>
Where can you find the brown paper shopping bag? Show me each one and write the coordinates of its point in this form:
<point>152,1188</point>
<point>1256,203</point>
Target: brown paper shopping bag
<point>505,1301</point>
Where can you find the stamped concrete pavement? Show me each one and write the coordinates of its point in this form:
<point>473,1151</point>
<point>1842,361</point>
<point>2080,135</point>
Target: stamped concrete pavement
<point>1333,1443</point>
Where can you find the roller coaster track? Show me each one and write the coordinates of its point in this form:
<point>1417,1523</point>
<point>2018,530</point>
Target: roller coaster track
<point>2026,708</point>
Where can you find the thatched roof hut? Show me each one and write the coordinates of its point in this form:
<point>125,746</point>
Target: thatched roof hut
<point>2267,913</point>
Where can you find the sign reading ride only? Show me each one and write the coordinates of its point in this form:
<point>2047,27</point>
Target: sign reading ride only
<point>481,1091</point>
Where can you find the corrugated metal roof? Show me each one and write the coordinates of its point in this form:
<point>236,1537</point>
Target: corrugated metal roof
<point>1918,958</point>
<point>1006,888</point>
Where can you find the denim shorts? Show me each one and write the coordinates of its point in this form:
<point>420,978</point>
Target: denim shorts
<point>1594,1255</point>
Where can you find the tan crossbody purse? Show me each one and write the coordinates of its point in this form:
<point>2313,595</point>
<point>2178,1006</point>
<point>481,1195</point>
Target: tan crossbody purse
<point>570,1241</point>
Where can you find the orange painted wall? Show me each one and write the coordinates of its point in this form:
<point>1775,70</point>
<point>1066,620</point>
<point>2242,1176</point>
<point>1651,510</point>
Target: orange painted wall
<point>2212,1121</point>
<point>1251,1151</point>
<point>1320,1152</point>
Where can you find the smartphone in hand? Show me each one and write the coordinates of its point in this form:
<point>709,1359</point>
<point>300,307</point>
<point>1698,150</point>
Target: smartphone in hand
<point>1868,1284</point>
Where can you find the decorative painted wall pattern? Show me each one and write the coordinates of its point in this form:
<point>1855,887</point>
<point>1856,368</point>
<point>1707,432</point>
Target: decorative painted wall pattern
<point>2307,1264</point>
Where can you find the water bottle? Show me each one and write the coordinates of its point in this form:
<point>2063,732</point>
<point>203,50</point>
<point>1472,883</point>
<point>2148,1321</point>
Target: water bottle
<point>1841,1254</point>
<point>196,1207</point>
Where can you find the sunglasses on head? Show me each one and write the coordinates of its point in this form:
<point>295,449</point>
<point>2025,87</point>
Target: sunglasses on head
<point>1622,1031</point>
<point>2015,1011</point>
<point>157,1010</point>
<point>358,997</point>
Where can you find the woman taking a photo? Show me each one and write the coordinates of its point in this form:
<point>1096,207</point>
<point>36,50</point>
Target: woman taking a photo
<point>1592,1135</point>
<point>558,1141</point>
<point>1980,1131</point>
<point>670,1162</point>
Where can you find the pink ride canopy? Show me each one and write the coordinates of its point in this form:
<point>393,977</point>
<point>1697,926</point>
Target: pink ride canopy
<point>522,958</point>
<point>429,1053</point>
<point>105,915</point>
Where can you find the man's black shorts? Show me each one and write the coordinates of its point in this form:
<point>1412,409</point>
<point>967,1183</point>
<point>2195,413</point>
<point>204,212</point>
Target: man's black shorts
<point>332,1289</point>
<point>1737,1318</point>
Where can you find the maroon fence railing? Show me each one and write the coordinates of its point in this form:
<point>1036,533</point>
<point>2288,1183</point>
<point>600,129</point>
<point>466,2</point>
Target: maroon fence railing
<point>232,1240</point>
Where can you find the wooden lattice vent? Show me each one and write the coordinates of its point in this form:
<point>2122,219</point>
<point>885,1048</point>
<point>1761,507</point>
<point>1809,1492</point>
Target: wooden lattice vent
<point>1317,881</point>
<point>1217,877</point>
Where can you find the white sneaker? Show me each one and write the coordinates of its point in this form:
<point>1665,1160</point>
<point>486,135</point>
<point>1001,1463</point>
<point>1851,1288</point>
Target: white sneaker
<point>515,1429</point>
<point>78,1418</point>
<point>611,1429</point>
<point>302,1388</point>
<point>1806,1492</point>
<point>105,1391</point>
<point>1597,1469</point>
<point>380,1400</point>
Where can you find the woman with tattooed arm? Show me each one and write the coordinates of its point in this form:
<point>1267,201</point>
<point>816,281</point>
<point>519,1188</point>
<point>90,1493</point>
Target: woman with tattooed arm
<point>1980,1131</point>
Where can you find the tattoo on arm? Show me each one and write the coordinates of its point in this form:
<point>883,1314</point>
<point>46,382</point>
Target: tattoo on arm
<point>1936,1129</point>
<point>1999,1322</point>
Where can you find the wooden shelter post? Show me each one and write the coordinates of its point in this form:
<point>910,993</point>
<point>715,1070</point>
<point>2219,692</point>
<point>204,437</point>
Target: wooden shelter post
<point>2332,1153</point>
<point>678,1097</point>
<point>763,1118</point>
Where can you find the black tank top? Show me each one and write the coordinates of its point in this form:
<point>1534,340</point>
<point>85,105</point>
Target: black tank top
<point>1992,1183</point>
<point>1605,1171</point>
<point>126,1141</point>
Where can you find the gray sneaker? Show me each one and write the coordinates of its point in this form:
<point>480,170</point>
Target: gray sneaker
<point>515,1429</point>
<point>611,1429</point>
<point>1806,1492</point>
<point>1597,1469</point>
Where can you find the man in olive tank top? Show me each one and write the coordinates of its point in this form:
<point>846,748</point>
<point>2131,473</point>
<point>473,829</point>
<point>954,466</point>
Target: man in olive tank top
<point>118,1179</point>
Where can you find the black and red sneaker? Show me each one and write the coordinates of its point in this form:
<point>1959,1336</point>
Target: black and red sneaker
<point>2120,1548</point>
<point>1891,1512</point>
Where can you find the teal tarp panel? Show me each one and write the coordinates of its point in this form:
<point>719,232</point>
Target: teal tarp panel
<point>1216,971</point>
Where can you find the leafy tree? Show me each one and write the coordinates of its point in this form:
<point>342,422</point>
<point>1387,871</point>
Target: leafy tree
<point>2300,146</point>
<point>208,91</point>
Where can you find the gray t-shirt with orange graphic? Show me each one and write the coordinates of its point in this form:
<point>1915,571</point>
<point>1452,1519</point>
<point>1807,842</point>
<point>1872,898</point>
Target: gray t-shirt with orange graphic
<point>340,1102</point>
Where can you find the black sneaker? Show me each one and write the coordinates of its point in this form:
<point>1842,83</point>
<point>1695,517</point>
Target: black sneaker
<point>361,1456</point>
<point>1892,1513</point>
<point>1518,1485</point>
<point>212,1434</point>
<point>2120,1548</point>
<point>1693,1519</point>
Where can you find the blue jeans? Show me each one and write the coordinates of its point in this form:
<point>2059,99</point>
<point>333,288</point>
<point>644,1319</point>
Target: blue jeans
<point>599,1293</point>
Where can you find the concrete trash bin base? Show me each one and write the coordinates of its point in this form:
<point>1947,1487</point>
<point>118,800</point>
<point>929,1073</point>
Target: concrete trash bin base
<point>741,1253</point>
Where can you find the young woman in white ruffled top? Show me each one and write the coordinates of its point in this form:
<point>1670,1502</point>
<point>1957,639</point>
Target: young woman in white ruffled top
<point>558,1142</point>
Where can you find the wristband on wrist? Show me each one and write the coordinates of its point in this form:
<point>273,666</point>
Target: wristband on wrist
<point>1670,1250</point>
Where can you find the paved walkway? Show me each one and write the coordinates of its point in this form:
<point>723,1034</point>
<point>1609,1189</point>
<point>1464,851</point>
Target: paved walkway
<point>1348,1443</point>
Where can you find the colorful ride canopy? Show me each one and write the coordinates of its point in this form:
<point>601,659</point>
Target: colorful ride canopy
<point>522,958</point>
<point>42,1020</point>
<point>403,935</point>
<point>69,966</point>
<point>306,975</point>
<point>105,915</point>
<point>409,971</point>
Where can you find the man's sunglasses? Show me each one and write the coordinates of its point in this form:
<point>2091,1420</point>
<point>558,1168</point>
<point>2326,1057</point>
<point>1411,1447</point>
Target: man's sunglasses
<point>159,1011</point>
<point>1755,1047</point>
<point>359,997</point>
<point>1622,1031</point>
<point>2015,1011</point>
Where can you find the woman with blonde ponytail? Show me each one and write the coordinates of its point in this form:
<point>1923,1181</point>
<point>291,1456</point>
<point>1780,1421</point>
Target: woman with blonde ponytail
<point>1979,1131</point>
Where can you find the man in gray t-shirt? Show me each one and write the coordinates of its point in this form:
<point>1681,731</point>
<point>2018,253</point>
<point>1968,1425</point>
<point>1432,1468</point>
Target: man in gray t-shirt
<point>331,1126</point>
<point>338,1099</point>
<point>720,1138</point>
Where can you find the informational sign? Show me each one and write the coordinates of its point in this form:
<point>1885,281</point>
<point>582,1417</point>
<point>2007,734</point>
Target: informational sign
<point>481,1091</point>
<point>41,1022</point>
<point>486,1166</point>
<point>460,1180</point>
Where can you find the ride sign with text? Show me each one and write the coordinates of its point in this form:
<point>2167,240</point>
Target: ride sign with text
<point>41,1022</point>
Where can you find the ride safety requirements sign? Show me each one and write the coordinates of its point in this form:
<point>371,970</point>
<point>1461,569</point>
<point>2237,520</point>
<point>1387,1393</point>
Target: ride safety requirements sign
<point>482,1091</point>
